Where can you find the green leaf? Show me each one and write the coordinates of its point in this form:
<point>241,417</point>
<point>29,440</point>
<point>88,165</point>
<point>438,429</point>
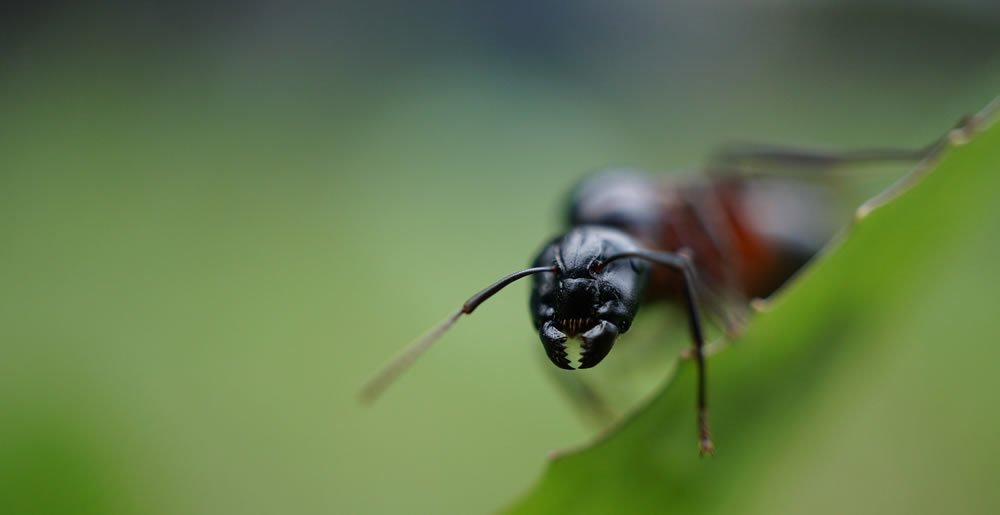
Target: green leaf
<point>868,388</point>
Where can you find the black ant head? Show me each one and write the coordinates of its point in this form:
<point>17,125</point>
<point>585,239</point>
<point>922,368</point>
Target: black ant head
<point>586,298</point>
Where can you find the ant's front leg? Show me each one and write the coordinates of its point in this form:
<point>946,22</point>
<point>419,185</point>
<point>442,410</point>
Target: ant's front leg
<point>686,265</point>
<point>683,262</point>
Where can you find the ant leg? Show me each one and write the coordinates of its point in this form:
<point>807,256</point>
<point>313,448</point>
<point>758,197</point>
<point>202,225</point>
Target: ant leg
<point>698,336</point>
<point>755,159</point>
<point>584,397</point>
<point>729,316</point>
<point>760,159</point>
<point>710,211</point>
<point>760,305</point>
<point>966,128</point>
<point>682,261</point>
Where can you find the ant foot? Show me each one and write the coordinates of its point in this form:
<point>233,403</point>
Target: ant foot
<point>705,447</point>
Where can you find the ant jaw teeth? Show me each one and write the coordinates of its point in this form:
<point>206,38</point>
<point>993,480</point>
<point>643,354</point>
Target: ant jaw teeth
<point>564,342</point>
<point>576,326</point>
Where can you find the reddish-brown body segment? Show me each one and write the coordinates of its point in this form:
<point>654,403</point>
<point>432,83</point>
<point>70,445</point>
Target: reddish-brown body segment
<point>747,236</point>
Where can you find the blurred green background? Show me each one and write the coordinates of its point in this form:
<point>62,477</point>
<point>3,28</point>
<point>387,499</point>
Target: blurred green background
<point>219,218</point>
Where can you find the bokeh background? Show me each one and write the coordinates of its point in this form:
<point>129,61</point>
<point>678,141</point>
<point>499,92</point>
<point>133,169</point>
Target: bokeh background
<point>218,218</point>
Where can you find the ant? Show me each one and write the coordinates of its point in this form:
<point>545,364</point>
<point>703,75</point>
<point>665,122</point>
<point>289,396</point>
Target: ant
<point>739,232</point>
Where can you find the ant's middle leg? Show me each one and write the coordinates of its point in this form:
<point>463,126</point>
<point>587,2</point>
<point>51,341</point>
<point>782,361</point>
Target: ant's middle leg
<point>587,400</point>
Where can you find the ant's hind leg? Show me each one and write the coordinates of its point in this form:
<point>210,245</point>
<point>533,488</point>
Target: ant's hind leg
<point>750,159</point>
<point>966,128</point>
<point>755,159</point>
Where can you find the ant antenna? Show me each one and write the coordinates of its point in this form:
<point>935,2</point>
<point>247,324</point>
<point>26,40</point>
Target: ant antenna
<point>377,384</point>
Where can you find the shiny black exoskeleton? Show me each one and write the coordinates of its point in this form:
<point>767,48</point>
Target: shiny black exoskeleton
<point>585,297</point>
